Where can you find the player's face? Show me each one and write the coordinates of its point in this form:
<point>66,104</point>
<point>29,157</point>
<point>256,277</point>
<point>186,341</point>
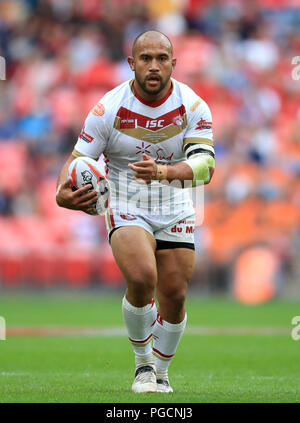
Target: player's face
<point>153,65</point>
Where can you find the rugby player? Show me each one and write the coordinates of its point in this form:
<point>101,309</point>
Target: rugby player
<point>157,130</point>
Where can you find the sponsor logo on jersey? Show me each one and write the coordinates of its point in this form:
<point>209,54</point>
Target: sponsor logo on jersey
<point>98,110</point>
<point>148,129</point>
<point>155,123</point>
<point>203,124</point>
<point>161,157</point>
<point>85,137</point>
<point>143,148</point>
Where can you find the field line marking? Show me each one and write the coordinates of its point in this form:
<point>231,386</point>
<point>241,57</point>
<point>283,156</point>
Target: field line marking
<point>44,331</point>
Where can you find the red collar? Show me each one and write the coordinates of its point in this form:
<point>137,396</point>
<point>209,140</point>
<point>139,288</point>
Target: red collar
<point>153,103</point>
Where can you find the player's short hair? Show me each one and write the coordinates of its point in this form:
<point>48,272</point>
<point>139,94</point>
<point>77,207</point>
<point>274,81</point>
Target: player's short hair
<point>145,32</point>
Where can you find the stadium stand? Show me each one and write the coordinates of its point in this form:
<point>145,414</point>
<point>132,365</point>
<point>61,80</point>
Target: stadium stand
<point>62,56</point>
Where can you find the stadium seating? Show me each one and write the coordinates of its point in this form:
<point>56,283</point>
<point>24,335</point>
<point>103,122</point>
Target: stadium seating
<point>254,195</point>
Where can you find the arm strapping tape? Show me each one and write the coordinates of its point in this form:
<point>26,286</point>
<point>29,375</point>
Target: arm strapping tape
<point>200,164</point>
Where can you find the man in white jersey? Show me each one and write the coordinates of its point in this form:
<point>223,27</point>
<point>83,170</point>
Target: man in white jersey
<point>154,130</point>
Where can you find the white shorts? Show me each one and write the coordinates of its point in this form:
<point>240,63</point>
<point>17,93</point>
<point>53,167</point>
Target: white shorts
<point>178,234</point>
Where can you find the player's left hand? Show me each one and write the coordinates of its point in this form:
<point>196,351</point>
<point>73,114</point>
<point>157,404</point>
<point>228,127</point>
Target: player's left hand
<point>145,170</point>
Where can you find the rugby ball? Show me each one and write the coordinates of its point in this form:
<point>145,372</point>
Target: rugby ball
<point>86,171</point>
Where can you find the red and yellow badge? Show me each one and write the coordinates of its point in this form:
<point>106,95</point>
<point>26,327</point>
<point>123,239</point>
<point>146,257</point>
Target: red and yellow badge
<point>98,110</point>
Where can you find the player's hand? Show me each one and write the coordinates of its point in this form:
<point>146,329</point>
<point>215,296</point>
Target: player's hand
<point>80,199</point>
<point>145,170</point>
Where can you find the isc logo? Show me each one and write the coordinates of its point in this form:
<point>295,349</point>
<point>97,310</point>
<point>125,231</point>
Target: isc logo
<point>155,123</point>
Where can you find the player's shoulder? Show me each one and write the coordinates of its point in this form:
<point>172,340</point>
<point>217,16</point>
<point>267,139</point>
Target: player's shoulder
<point>118,94</point>
<point>109,103</point>
<point>191,100</point>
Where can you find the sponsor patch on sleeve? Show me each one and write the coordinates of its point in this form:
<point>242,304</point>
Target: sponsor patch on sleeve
<point>98,110</point>
<point>203,124</point>
<point>85,137</point>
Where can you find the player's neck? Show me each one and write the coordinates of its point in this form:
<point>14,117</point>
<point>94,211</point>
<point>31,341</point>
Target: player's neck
<point>155,99</point>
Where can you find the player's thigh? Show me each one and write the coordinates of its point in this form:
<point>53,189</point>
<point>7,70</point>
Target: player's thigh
<point>134,251</point>
<point>174,270</point>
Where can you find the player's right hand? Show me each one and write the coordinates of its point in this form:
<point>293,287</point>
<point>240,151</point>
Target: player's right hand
<point>80,199</point>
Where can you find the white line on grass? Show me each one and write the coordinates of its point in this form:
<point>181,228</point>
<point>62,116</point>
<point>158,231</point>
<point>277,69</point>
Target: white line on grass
<point>121,331</point>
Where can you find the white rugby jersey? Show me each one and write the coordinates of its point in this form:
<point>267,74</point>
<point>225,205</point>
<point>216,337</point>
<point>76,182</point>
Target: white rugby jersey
<point>122,126</point>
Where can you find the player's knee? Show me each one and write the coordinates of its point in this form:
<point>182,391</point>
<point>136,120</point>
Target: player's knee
<point>178,298</point>
<point>174,296</point>
<point>143,279</point>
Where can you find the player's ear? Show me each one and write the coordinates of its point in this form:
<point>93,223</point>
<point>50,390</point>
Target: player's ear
<point>130,60</point>
<point>174,61</point>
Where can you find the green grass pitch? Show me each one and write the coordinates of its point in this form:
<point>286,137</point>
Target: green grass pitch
<point>229,353</point>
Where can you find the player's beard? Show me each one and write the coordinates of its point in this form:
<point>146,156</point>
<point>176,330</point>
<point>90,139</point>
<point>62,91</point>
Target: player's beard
<point>152,91</point>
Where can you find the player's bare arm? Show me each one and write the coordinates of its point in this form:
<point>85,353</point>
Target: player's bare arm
<point>80,199</point>
<point>147,170</point>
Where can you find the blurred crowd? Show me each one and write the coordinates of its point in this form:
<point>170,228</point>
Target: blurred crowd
<point>63,55</point>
